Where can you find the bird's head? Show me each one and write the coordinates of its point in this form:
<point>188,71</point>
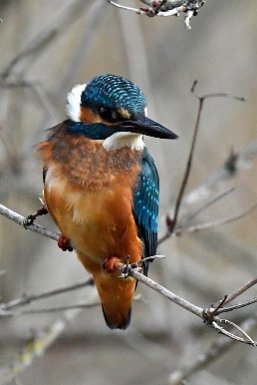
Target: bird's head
<point>113,108</point>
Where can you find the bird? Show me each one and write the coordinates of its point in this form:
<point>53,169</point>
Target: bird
<point>101,186</point>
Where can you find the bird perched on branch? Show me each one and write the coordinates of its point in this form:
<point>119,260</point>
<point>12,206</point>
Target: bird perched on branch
<point>101,185</point>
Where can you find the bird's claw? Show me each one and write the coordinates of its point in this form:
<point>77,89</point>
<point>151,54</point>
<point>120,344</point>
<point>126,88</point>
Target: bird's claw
<point>110,264</point>
<point>30,219</point>
<point>126,269</point>
<point>64,243</point>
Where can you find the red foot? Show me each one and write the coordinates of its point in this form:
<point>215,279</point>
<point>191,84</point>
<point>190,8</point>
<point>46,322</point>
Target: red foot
<point>109,264</point>
<point>64,243</point>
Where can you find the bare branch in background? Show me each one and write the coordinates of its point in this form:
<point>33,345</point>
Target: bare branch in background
<point>165,8</point>
<point>11,152</point>
<point>37,346</point>
<point>220,222</point>
<point>56,309</point>
<point>67,15</point>
<point>28,299</point>
<point>33,348</point>
<point>226,172</point>
<point>218,308</point>
<point>79,306</point>
<point>241,290</point>
<point>208,204</point>
<point>205,359</point>
<point>172,220</point>
<point>33,48</point>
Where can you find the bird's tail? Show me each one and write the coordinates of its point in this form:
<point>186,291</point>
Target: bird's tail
<point>116,296</point>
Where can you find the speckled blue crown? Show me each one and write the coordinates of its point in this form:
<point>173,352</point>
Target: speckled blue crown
<point>114,92</point>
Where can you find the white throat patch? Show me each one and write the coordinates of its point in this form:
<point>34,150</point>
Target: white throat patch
<point>74,102</point>
<point>124,139</point>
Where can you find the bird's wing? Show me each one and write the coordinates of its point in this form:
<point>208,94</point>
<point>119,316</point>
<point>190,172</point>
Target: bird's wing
<point>146,206</point>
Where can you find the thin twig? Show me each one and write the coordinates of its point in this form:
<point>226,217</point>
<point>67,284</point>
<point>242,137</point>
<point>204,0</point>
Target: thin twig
<point>136,10</point>
<point>28,299</point>
<point>33,48</point>
<point>237,306</point>
<point>172,222</point>
<point>230,335</point>
<point>241,290</point>
<point>32,349</point>
<point>154,11</point>
<point>208,204</point>
<point>205,359</point>
<point>188,167</point>
<point>19,219</point>
<point>165,8</point>
<point>80,306</point>
<point>192,229</point>
<point>56,309</point>
<point>233,324</point>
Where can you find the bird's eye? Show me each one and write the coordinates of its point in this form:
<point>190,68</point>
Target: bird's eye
<point>108,114</point>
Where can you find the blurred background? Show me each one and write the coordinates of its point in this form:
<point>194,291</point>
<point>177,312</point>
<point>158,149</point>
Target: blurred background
<point>46,48</point>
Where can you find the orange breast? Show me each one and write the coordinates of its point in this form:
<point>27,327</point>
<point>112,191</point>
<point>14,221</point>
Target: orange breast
<point>99,223</point>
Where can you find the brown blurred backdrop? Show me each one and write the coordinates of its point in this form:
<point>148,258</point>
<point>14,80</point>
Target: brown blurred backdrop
<point>46,48</point>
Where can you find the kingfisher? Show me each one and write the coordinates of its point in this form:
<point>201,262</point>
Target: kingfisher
<point>101,185</point>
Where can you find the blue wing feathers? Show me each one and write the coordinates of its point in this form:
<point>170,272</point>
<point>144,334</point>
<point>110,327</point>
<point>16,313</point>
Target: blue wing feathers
<point>146,205</point>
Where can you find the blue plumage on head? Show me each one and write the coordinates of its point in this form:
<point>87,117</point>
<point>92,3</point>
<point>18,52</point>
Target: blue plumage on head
<point>114,92</point>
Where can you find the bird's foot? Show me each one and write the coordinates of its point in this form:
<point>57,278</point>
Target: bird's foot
<point>125,269</point>
<point>64,243</point>
<point>30,219</point>
<point>110,264</point>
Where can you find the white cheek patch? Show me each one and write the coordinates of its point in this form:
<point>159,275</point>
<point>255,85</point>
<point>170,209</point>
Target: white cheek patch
<point>74,102</point>
<point>124,139</point>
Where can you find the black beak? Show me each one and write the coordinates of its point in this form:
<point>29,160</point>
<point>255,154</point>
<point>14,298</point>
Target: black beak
<point>145,126</point>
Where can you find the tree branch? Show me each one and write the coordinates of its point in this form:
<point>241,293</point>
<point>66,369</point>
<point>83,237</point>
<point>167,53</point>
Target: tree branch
<point>20,220</point>
<point>67,15</point>
<point>32,349</point>
<point>172,220</point>
<point>205,226</point>
<point>28,299</point>
<point>165,8</point>
<point>208,315</point>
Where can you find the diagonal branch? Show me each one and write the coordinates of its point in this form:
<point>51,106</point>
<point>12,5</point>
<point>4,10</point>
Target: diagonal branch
<point>171,222</point>
<point>79,306</point>
<point>208,315</point>
<point>28,299</point>
<point>192,229</point>
<point>188,167</point>
<point>20,220</point>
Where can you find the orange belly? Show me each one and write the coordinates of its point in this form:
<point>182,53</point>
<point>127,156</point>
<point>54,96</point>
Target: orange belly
<point>100,224</point>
